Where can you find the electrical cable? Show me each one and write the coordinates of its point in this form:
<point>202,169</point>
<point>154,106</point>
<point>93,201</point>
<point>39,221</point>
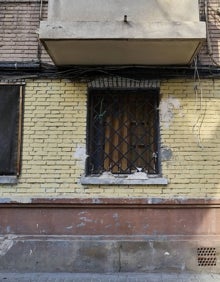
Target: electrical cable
<point>202,106</point>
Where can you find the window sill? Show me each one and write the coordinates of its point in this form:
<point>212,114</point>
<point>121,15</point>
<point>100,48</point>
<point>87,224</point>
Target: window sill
<point>110,179</point>
<point>8,179</point>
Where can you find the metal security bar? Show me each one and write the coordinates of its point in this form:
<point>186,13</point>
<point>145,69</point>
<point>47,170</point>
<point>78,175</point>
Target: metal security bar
<point>123,131</point>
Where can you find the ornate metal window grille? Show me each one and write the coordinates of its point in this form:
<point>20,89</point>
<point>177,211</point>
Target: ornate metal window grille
<point>123,131</point>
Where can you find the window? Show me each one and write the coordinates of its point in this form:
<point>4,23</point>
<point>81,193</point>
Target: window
<point>123,132</point>
<point>10,129</point>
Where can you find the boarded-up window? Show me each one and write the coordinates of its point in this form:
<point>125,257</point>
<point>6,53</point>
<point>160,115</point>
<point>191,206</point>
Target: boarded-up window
<point>123,131</point>
<point>10,129</point>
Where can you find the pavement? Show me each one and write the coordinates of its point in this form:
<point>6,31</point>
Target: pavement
<point>116,277</point>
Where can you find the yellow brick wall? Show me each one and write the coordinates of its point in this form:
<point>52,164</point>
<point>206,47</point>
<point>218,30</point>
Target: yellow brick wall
<point>194,137</point>
<point>54,141</point>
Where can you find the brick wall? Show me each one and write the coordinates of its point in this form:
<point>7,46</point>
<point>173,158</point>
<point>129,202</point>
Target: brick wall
<point>54,127</point>
<point>19,22</point>
<point>209,54</point>
<point>193,135</point>
<point>54,142</point>
<point>54,138</point>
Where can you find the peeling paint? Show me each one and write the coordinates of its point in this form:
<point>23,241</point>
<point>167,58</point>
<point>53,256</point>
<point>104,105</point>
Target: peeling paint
<point>23,200</point>
<point>115,215</point>
<point>85,219</point>
<point>5,200</point>
<point>6,244</point>
<point>166,110</point>
<point>81,224</point>
<point>96,200</point>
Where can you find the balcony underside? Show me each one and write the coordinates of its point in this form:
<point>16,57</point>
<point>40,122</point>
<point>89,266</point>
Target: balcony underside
<point>122,43</point>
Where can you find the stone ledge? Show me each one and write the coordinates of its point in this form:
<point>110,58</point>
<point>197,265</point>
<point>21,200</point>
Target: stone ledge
<point>97,180</point>
<point>96,202</point>
<point>8,179</point>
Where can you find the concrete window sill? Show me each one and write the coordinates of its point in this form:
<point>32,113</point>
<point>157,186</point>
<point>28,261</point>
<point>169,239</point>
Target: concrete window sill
<point>132,179</point>
<point>5,179</point>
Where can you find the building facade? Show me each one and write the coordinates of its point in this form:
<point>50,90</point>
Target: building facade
<point>109,136</point>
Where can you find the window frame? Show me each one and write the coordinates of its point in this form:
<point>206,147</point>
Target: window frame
<point>12,178</point>
<point>124,179</point>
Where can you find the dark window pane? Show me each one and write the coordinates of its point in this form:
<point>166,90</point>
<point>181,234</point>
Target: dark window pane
<point>9,119</point>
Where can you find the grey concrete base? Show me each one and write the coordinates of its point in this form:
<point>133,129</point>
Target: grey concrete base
<point>122,277</point>
<point>98,254</point>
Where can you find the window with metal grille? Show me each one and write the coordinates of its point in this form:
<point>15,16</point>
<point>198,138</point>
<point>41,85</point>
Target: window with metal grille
<point>10,129</point>
<point>123,131</point>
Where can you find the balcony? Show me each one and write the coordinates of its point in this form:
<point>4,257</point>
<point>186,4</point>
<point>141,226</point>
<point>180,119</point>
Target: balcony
<point>122,32</point>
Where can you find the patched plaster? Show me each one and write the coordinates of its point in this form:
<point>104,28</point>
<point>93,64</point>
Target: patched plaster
<point>80,154</point>
<point>166,110</point>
